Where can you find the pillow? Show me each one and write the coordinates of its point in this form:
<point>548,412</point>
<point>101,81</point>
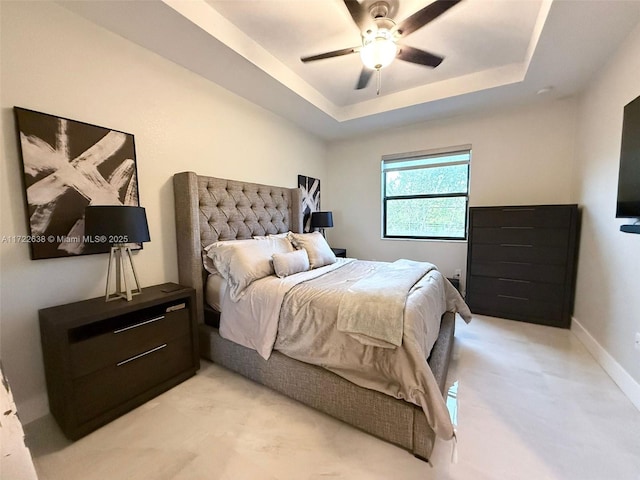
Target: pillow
<point>272,235</point>
<point>207,261</point>
<point>319,251</point>
<point>241,263</point>
<point>286,264</point>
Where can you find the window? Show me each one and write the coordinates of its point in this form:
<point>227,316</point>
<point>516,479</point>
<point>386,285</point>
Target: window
<point>426,194</point>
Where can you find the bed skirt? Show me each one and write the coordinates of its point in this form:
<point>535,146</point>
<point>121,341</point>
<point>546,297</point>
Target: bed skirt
<point>393,420</point>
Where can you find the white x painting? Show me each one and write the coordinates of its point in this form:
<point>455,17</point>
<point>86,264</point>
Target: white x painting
<point>310,198</point>
<point>69,165</point>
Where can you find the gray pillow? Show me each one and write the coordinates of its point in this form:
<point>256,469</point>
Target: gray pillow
<point>318,250</point>
<point>286,264</point>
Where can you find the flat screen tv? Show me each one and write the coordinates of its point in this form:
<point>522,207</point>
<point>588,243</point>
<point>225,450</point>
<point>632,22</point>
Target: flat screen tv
<point>629,177</point>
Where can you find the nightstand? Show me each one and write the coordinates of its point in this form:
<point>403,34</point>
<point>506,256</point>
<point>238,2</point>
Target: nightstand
<point>340,252</point>
<point>103,359</point>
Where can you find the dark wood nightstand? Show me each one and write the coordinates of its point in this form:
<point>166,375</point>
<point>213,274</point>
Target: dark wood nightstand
<point>103,359</point>
<point>340,252</point>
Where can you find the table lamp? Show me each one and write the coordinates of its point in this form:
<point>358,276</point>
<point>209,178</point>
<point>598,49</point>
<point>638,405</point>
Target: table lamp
<point>119,226</point>
<point>321,220</point>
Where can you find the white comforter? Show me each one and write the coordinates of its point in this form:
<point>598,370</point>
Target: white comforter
<point>303,326</point>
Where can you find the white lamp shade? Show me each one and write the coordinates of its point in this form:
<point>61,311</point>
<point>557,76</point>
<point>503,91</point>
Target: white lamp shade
<point>378,52</point>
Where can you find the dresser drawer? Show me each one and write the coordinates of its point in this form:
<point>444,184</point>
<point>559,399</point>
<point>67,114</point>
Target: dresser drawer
<point>540,237</point>
<point>94,348</point>
<point>520,271</point>
<point>516,308</point>
<point>117,383</point>
<point>508,252</point>
<point>517,289</point>
<point>538,216</point>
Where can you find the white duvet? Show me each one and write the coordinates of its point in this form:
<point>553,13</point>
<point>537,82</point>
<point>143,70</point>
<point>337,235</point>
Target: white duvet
<point>298,316</point>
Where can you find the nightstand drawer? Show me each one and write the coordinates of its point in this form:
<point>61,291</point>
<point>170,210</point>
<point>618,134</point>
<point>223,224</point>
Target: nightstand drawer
<point>111,386</point>
<point>109,342</point>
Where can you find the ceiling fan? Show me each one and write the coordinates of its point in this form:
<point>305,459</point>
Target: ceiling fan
<point>380,36</point>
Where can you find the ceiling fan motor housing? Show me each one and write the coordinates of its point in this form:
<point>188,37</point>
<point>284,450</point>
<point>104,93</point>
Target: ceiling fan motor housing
<point>379,10</point>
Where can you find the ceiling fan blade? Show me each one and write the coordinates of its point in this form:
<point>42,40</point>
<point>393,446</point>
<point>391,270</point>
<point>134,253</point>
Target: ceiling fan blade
<point>414,55</point>
<point>360,16</point>
<point>335,53</point>
<point>424,16</point>
<point>365,76</point>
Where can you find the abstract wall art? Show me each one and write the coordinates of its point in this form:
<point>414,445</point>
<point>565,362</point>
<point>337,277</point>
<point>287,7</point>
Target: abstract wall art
<point>310,198</point>
<point>69,165</point>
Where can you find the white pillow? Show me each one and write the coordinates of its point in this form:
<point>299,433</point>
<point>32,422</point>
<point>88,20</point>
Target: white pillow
<point>242,263</point>
<point>286,264</point>
<point>208,264</point>
<point>272,235</point>
<point>318,250</point>
<point>207,261</point>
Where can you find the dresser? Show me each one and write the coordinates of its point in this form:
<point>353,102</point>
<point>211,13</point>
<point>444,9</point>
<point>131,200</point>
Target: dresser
<point>102,358</point>
<point>521,262</point>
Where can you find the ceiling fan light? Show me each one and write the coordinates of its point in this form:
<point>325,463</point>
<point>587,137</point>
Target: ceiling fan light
<point>378,52</point>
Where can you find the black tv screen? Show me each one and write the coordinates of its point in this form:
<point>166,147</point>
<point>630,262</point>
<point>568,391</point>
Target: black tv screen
<point>629,177</point>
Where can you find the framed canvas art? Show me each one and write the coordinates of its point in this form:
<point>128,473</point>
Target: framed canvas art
<point>69,165</point>
<point>310,198</point>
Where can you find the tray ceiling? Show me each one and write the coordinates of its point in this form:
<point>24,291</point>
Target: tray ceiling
<point>497,52</point>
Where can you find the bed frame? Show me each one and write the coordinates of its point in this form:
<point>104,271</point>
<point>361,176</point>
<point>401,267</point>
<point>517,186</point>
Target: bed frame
<point>208,209</point>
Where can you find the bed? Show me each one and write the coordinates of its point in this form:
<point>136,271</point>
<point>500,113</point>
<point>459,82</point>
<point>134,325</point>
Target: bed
<point>209,209</point>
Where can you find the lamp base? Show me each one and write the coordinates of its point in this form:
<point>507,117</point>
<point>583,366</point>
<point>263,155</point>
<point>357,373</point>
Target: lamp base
<point>121,256</point>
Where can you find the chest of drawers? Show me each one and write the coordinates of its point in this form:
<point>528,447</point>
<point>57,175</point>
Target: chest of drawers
<point>103,359</point>
<point>521,262</point>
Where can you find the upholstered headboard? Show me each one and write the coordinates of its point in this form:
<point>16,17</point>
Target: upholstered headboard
<point>209,209</point>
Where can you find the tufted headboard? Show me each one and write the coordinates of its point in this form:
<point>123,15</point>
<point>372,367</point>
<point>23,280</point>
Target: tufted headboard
<point>209,209</point>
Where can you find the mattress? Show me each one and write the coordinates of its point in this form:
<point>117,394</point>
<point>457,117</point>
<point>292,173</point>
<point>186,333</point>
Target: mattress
<point>214,291</point>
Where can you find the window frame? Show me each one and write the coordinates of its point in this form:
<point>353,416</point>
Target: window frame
<point>430,157</point>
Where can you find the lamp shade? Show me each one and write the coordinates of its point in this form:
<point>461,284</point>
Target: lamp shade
<point>118,223</point>
<point>321,219</point>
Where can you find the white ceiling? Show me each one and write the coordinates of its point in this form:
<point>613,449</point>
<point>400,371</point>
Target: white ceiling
<point>497,52</point>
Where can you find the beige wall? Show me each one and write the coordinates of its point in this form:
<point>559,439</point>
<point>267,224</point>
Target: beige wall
<point>520,156</point>
<point>607,288</point>
<point>55,62</point>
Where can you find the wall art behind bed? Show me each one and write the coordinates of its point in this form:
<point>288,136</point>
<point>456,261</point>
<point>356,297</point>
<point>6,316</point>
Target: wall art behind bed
<point>68,165</point>
<point>310,198</point>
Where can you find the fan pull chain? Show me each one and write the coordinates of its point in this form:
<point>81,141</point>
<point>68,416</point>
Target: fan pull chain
<point>379,82</point>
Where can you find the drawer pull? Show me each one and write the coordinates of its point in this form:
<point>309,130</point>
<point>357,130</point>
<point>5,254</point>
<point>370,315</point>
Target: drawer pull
<point>514,263</point>
<point>513,280</point>
<point>518,209</point>
<point>515,245</point>
<point>514,298</point>
<point>120,330</point>
<point>517,228</point>
<point>135,357</point>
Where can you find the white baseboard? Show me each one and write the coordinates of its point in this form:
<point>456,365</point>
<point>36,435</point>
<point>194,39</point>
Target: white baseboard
<point>619,375</point>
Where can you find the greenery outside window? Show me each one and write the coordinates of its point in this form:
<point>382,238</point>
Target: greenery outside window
<point>425,195</point>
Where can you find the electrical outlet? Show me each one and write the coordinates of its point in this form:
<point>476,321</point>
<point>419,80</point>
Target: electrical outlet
<point>637,340</point>
<point>458,273</point>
